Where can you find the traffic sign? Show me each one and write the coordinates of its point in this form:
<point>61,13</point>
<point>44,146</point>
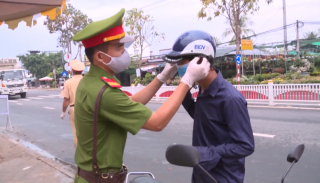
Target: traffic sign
<point>67,57</point>
<point>246,44</point>
<point>238,59</point>
<point>67,67</point>
<point>64,74</point>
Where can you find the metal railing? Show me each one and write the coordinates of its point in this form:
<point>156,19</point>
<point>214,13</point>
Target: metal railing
<point>267,92</point>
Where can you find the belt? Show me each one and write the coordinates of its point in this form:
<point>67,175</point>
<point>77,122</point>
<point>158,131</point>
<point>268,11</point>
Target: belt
<point>71,105</point>
<point>95,177</point>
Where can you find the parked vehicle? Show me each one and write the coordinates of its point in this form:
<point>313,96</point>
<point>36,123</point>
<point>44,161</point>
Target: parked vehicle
<point>13,82</point>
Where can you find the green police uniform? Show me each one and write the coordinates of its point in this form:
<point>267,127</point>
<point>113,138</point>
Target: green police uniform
<point>117,113</point>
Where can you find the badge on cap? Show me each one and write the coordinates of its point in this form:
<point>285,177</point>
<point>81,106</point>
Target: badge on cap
<point>111,82</point>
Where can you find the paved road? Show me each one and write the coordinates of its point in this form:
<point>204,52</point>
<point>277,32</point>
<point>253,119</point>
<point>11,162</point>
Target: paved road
<point>37,120</point>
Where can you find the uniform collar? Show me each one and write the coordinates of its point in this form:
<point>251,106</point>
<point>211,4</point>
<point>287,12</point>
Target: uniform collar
<point>213,88</point>
<point>98,72</point>
<point>76,76</point>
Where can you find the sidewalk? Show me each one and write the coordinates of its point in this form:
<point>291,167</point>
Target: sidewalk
<point>20,164</point>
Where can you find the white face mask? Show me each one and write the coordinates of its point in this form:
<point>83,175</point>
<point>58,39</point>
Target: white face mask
<point>118,64</point>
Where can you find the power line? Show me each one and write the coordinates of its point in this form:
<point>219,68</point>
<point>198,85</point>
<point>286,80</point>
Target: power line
<point>153,4</point>
<point>312,22</point>
<point>266,32</point>
<point>162,5</point>
<point>270,18</point>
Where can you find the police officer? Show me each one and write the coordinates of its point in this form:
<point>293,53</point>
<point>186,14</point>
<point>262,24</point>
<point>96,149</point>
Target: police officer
<point>69,94</point>
<point>104,114</point>
<point>222,130</point>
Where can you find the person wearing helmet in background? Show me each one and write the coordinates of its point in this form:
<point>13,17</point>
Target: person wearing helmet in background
<point>222,130</point>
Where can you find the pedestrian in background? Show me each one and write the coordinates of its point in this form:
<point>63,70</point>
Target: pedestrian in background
<point>69,94</point>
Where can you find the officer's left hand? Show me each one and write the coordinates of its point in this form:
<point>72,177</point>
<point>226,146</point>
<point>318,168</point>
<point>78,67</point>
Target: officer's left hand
<point>63,114</point>
<point>168,72</point>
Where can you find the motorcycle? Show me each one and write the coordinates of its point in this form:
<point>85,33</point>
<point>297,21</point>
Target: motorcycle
<point>188,156</point>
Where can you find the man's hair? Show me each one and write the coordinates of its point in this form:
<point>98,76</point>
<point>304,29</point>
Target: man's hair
<point>210,59</point>
<point>90,51</point>
<point>77,72</point>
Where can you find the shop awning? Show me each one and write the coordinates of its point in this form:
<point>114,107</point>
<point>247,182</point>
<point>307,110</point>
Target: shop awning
<point>12,12</point>
<point>148,67</point>
<point>316,43</point>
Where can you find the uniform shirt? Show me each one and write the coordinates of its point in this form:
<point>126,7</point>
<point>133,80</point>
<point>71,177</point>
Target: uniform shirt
<point>117,116</point>
<point>222,132</point>
<point>70,88</point>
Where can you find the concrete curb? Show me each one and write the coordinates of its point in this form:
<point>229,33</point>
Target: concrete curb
<point>282,107</point>
<point>261,106</point>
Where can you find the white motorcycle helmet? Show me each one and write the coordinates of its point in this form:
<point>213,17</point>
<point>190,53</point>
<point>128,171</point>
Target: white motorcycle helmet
<point>192,44</point>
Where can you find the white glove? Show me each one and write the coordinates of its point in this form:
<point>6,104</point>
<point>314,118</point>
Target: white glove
<point>63,114</point>
<point>168,72</point>
<point>195,71</point>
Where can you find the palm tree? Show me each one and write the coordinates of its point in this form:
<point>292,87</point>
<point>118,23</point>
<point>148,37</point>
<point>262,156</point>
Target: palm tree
<point>245,22</point>
<point>217,40</point>
<point>311,35</point>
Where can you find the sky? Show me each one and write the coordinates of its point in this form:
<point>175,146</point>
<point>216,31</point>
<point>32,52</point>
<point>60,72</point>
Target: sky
<point>172,17</point>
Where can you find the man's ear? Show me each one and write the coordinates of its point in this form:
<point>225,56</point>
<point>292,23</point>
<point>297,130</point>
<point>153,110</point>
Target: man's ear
<point>98,56</point>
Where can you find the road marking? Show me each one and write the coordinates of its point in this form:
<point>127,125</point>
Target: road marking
<point>35,98</point>
<point>12,101</point>
<point>48,107</point>
<point>46,96</point>
<point>25,99</point>
<point>19,104</point>
<point>55,95</point>
<point>26,168</point>
<point>263,135</point>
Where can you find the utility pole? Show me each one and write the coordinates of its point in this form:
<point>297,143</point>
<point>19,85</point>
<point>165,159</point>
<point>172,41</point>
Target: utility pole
<point>285,32</point>
<point>298,46</point>
<point>285,28</point>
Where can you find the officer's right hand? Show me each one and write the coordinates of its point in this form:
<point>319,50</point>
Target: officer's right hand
<point>196,71</point>
<point>168,72</point>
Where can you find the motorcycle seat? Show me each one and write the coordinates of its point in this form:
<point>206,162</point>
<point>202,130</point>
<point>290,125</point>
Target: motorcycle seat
<point>144,180</point>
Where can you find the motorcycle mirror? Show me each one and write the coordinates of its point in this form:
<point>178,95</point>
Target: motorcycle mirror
<point>295,154</point>
<point>182,155</point>
<point>293,157</point>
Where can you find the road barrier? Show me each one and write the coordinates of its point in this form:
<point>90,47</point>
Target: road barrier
<point>4,110</point>
<point>265,92</point>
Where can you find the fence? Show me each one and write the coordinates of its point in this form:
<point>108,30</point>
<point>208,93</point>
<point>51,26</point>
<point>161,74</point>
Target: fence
<point>268,92</point>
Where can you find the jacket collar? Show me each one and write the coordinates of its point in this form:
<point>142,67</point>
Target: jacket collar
<point>214,87</point>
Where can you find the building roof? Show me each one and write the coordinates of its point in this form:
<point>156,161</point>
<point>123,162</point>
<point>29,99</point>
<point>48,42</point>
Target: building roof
<point>222,51</point>
<point>250,52</point>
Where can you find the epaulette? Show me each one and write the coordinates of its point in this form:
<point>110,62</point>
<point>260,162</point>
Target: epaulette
<point>111,82</point>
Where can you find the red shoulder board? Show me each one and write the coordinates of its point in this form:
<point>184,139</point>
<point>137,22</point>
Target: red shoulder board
<point>111,82</point>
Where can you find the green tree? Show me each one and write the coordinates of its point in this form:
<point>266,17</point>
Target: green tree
<point>245,22</point>
<point>232,10</point>
<point>147,78</point>
<point>142,29</point>
<point>311,35</point>
<point>41,64</point>
<point>67,25</point>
